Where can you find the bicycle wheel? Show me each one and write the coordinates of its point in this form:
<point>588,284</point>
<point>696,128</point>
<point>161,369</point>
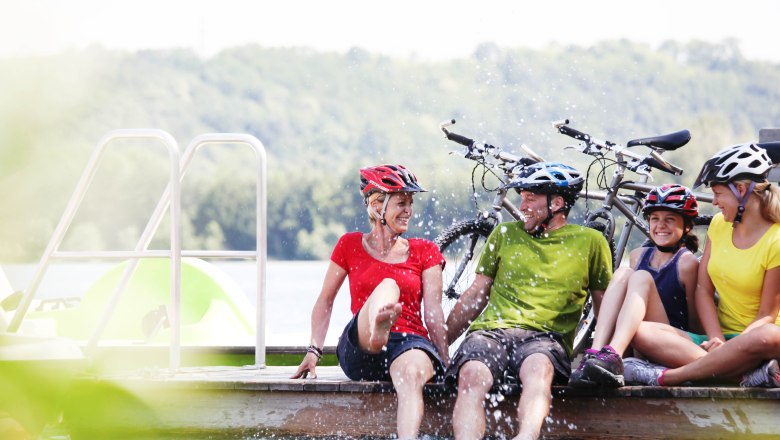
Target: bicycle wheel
<point>461,244</point>
<point>583,334</point>
<point>702,220</point>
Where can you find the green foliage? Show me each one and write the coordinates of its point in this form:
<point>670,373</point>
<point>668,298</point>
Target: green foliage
<point>321,116</point>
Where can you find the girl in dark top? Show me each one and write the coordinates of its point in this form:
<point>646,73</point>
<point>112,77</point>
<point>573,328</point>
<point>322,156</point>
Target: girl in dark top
<point>658,286</point>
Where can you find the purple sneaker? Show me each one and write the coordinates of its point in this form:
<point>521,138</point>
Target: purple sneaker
<point>765,376</point>
<point>639,372</point>
<point>578,378</point>
<point>606,368</point>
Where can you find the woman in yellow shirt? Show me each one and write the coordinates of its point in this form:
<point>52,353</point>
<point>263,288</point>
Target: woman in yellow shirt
<point>741,261</point>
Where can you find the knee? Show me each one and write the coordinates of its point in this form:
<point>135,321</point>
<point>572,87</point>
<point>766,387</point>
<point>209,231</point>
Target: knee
<point>536,367</point>
<point>412,375</point>
<point>622,273</point>
<point>640,276</point>
<point>643,335</point>
<point>474,376</point>
<point>765,339</point>
<point>388,285</point>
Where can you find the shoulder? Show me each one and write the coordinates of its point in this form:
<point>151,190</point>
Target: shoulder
<point>421,243</point>
<point>636,255</point>
<point>513,231</point>
<point>717,222</point>
<point>350,239</point>
<point>774,232</point>
<point>590,234</point>
<point>688,261</point>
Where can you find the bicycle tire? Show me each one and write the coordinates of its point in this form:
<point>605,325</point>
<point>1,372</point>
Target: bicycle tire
<point>702,220</point>
<point>583,333</point>
<point>461,244</point>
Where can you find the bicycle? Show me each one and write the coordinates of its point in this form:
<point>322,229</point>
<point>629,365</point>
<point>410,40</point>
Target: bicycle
<point>462,241</point>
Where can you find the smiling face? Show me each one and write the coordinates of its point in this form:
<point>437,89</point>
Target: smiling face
<point>534,208</point>
<point>666,227</point>
<point>399,211</point>
<point>726,201</point>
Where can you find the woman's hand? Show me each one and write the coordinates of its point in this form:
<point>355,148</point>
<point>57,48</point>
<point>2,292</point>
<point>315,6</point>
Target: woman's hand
<point>711,344</point>
<point>308,367</point>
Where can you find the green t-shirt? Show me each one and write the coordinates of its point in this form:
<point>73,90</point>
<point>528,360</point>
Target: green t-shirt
<point>541,283</point>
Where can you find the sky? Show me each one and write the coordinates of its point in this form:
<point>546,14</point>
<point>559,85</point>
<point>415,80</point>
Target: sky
<point>431,29</point>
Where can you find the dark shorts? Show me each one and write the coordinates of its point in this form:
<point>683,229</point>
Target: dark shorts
<point>504,350</point>
<point>359,365</point>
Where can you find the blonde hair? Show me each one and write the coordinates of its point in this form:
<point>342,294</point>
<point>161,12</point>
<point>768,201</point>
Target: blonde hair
<point>769,195</point>
<point>372,214</point>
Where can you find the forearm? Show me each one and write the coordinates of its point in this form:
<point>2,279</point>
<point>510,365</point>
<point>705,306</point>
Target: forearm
<point>320,320</point>
<point>434,321</point>
<point>708,315</point>
<point>468,307</point>
<point>758,322</point>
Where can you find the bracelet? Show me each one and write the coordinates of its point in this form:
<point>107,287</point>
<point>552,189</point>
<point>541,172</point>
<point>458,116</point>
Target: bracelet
<point>315,350</point>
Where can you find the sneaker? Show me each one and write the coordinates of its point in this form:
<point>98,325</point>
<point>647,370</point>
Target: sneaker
<point>606,368</point>
<point>639,372</point>
<point>765,376</point>
<point>578,378</point>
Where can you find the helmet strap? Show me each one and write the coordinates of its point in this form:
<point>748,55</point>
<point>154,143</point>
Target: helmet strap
<point>384,208</point>
<point>742,201</point>
<point>382,216</point>
<point>670,249</point>
<point>540,230</point>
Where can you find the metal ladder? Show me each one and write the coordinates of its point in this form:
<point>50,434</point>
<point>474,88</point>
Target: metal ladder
<point>169,201</point>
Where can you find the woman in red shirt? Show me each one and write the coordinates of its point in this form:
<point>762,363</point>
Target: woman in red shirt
<point>390,278</point>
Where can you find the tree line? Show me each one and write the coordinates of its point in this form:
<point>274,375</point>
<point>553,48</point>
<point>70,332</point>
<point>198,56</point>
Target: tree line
<point>323,115</point>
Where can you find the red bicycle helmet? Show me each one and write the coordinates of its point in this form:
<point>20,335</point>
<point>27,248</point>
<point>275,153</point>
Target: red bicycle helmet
<point>388,179</point>
<point>671,197</point>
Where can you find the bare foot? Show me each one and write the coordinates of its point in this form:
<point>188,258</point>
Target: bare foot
<point>380,328</point>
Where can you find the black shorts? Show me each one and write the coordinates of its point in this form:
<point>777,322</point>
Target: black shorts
<point>504,350</point>
<point>359,365</point>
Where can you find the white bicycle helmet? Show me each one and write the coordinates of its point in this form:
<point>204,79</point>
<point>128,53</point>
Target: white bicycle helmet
<point>744,161</point>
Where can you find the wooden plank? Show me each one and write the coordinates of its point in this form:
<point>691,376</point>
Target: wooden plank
<point>264,402</point>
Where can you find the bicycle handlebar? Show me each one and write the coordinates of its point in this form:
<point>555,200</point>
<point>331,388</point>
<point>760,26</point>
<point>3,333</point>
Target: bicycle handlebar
<point>483,149</point>
<point>653,159</point>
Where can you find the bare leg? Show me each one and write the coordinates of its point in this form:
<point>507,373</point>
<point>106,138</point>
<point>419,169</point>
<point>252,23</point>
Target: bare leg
<point>666,345</point>
<point>733,358</point>
<point>378,315</point>
<point>536,375</point>
<point>642,303</point>
<point>610,307</point>
<point>409,372</point>
<point>468,417</point>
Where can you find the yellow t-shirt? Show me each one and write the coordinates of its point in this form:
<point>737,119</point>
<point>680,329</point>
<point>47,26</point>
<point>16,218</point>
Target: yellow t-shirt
<point>738,274</point>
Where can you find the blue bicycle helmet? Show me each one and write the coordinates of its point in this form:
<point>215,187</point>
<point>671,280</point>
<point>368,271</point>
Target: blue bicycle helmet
<point>550,178</point>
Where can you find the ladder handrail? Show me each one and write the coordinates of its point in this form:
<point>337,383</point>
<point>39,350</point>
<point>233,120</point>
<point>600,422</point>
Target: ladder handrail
<point>78,196</point>
<point>261,220</point>
<point>170,199</point>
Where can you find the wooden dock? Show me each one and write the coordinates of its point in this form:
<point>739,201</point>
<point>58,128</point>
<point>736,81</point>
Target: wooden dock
<point>245,401</point>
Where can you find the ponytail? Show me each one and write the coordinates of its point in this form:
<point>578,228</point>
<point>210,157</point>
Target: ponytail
<point>769,194</point>
<point>689,239</point>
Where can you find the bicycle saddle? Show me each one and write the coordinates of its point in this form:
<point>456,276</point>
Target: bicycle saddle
<point>667,142</point>
<point>772,150</point>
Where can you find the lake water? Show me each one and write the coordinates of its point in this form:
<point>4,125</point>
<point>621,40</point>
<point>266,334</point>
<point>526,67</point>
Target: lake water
<point>292,288</point>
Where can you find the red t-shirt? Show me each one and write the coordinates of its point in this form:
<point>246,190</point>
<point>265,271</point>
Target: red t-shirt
<point>366,272</point>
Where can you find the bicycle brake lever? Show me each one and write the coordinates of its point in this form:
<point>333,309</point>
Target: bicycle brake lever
<point>644,170</point>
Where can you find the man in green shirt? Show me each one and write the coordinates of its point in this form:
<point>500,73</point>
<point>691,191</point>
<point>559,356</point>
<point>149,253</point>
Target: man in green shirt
<point>523,307</point>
